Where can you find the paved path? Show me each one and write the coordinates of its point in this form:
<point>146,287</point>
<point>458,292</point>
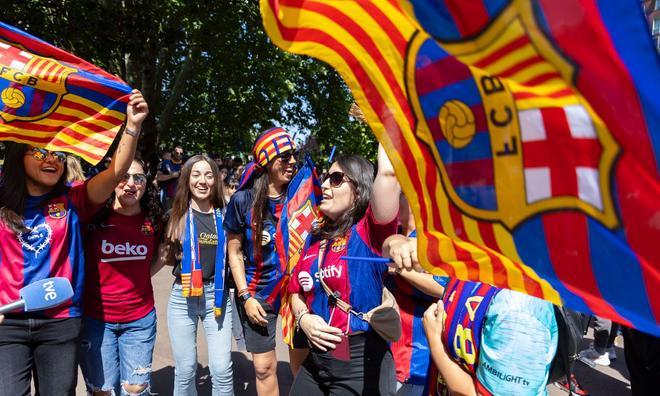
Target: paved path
<point>610,381</point>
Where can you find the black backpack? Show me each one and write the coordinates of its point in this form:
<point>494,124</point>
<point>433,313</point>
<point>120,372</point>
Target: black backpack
<point>572,327</point>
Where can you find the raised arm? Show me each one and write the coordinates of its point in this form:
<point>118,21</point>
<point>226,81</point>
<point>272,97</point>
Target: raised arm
<point>386,190</point>
<point>100,187</point>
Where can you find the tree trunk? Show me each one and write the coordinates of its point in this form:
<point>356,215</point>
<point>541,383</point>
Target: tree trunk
<point>178,89</point>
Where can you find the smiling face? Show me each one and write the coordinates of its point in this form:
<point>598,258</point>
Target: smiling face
<point>44,173</point>
<point>337,199</point>
<point>201,181</point>
<point>129,191</point>
<point>280,170</point>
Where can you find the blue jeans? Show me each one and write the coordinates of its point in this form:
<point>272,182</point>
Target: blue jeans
<point>183,315</point>
<point>114,354</point>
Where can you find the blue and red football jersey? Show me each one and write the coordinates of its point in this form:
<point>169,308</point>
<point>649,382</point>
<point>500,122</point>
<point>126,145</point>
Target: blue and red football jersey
<point>411,352</point>
<point>262,268</point>
<point>52,247</point>
<point>359,283</point>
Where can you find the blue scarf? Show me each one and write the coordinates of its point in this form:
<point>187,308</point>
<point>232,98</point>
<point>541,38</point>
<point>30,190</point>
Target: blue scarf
<point>191,267</point>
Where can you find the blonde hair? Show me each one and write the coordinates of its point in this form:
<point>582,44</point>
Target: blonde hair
<point>74,172</point>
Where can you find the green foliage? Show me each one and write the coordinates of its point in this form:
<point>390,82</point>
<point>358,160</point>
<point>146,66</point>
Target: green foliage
<point>212,77</point>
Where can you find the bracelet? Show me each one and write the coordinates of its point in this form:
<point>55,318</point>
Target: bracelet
<point>244,297</point>
<point>131,132</point>
<point>300,315</point>
<point>243,291</point>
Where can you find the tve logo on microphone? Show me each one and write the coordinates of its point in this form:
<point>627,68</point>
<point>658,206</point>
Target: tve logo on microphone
<point>126,250</point>
<point>49,288</point>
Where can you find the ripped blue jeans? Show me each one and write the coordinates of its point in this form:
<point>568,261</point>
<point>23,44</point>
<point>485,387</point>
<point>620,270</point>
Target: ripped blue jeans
<point>116,354</point>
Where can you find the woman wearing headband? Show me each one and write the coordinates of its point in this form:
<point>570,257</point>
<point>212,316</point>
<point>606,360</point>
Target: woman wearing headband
<point>196,242</point>
<point>251,222</point>
<point>40,237</point>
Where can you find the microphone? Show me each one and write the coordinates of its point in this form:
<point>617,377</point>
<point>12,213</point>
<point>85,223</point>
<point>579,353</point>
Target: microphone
<point>40,295</point>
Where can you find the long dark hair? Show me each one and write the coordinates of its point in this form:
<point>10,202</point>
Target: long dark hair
<point>360,173</point>
<point>13,187</point>
<point>149,203</point>
<point>182,196</point>
<point>260,205</point>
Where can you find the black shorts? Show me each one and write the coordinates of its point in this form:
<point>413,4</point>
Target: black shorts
<point>258,339</point>
<point>370,371</point>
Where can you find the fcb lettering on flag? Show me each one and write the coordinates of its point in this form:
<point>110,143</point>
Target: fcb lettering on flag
<point>299,215</point>
<point>52,99</point>
<point>525,135</point>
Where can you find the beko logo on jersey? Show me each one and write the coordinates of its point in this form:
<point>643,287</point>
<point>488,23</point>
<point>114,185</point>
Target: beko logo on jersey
<point>129,251</point>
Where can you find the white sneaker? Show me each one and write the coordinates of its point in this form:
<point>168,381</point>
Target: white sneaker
<point>594,356</point>
<point>611,353</point>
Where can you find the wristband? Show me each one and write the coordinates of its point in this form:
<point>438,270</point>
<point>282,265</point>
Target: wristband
<point>244,297</point>
<point>131,132</point>
<point>300,315</point>
<point>242,291</point>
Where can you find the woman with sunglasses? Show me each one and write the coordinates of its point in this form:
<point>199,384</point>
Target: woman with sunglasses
<point>40,237</point>
<point>119,323</point>
<point>252,217</point>
<point>195,245</point>
<point>347,356</point>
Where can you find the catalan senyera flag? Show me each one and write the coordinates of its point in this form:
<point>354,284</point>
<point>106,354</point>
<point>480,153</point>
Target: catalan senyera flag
<point>55,100</point>
<point>525,135</point>
<point>299,214</point>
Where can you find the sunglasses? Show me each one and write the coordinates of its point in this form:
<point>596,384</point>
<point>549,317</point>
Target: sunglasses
<point>138,178</point>
<point>41,154</point>
<point>336,178</point>
<point>286,157</point>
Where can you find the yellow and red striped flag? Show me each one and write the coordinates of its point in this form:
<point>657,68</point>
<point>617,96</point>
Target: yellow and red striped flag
<point>52,99</point>
<point>524,134</point>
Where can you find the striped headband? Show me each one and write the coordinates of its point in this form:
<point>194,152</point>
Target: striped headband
<point>270,144</point>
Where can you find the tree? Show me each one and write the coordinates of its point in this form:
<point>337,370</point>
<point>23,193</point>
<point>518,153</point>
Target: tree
<point>212,77</point>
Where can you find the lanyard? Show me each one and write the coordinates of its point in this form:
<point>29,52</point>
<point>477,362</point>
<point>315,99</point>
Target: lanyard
<point>193,238</point>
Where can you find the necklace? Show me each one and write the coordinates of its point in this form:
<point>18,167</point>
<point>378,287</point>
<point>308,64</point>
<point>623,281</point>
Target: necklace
<point>276,196</point>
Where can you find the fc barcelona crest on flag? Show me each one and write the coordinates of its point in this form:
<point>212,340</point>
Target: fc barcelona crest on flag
<point>56,210</point>
<point>31,86</point>
<point>301,223</point>
<point>489,134</point>
<point>52,99</point>
<point>525,135</point>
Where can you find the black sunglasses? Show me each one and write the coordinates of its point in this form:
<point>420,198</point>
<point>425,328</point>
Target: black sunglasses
<point>336,178</point>
<point>286,157</point>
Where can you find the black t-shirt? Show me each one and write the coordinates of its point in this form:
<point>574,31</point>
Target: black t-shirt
<point>207,237</point>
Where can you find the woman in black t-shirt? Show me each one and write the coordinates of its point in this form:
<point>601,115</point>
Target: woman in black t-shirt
<point>196,242</point>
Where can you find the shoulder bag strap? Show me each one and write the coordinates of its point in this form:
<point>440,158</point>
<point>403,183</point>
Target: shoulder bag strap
<point>332,296</point>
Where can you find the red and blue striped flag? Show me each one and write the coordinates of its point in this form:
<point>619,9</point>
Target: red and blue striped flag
<point>525,134</point>
<point>52,99</point>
